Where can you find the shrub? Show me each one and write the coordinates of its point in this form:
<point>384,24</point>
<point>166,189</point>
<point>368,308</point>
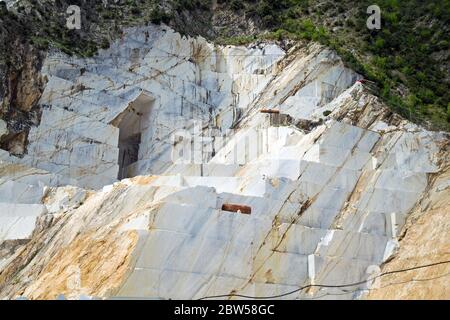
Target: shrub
<point>237,5</point>
<point>448,112</point>
<point>157,16</point>
<point>104,44</point>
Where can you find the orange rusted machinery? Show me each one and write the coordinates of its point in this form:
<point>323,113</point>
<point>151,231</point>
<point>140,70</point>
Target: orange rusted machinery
<point>236,208</point>
<point>270,111</point>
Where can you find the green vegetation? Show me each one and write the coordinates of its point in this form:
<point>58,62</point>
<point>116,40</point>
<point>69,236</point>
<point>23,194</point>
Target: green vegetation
<point>400,58</point>
<point>408,59</point>
<point>157,16</point>
<point>45,24</point>
<point>448,112</point>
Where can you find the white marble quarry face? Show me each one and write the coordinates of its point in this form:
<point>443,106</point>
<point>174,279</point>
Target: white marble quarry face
<point>166,83</point>
<point>17,221</point>
<point>327,202</point>
<point>92,106</point>
<point>18,192</point>
<point>3,128</point>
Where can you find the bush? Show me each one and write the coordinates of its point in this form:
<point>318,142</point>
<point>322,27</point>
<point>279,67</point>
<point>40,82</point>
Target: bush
<point>157,16</point>
<point>136,11</point>
<point>379,43</point>
<point>448,112</point>
<point>104,44</point>
<point>237,5</point>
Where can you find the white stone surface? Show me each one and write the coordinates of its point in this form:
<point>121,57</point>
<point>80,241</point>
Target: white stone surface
<point>17,192</point>
<point>17,221</point>
<point>326,203</point>
<point>3,128</point>
<point>64,199</point>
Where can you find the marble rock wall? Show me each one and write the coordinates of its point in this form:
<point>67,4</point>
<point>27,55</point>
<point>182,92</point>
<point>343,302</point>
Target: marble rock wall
<point>327,203</point>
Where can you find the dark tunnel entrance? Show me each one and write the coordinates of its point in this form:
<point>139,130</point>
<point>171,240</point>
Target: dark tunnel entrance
<point>128,153</point>
<point>131,123</point>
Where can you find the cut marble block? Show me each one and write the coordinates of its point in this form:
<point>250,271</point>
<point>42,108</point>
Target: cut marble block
<point>416,152</point>
<point>353,245</point>
<point>401,180</point>
<point>95,81</point>
<point>80,154</point>
<point>94,104</point>
<point>64,199</point>
<point>418,161</point>
<point>379,223</point>
<point>207,169</point>
<point>56,87</point>
<point>163,284</point>
<point>18,221</point>
<point>96,154</point>
<point>344,136</point>
<point>317,217</point>
<point>299,239</point>
<point>313,216</point>
<point>58,125</point>
<point>283,168</point>
<point>94,177</point>
<point>221,184</point>
<point>200,254</point>
<point>300,191</point>
<point>190,196</point>
<point>182,219</point>
<point>331,198</point>
<point>20,170</point>
<point>17,192</point>
<point>239,229</point>
<point>353,159</point>
<point>289,151</point>
<point>339,271</point>
<point>381,200</point>
<point>323,175</point>
<point>75,147</point>
<point>283,268</point>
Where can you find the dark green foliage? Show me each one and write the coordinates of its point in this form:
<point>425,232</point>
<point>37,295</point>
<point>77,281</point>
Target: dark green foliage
<point>400,58</point>
<point>398,55</point>
<point>104,44</point>
<point>448,112</point>
<point>191,5</point>
<point>237,5</point>
<point>157,16</point>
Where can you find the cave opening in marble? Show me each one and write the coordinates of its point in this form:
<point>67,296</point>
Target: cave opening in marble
<point>132,122</point>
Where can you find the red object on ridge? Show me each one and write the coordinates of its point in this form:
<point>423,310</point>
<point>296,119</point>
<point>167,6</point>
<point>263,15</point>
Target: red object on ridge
<point>236,207</point>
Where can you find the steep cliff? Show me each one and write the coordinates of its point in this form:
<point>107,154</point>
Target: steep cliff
<point>199,170</point>
<point>424,242</point>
